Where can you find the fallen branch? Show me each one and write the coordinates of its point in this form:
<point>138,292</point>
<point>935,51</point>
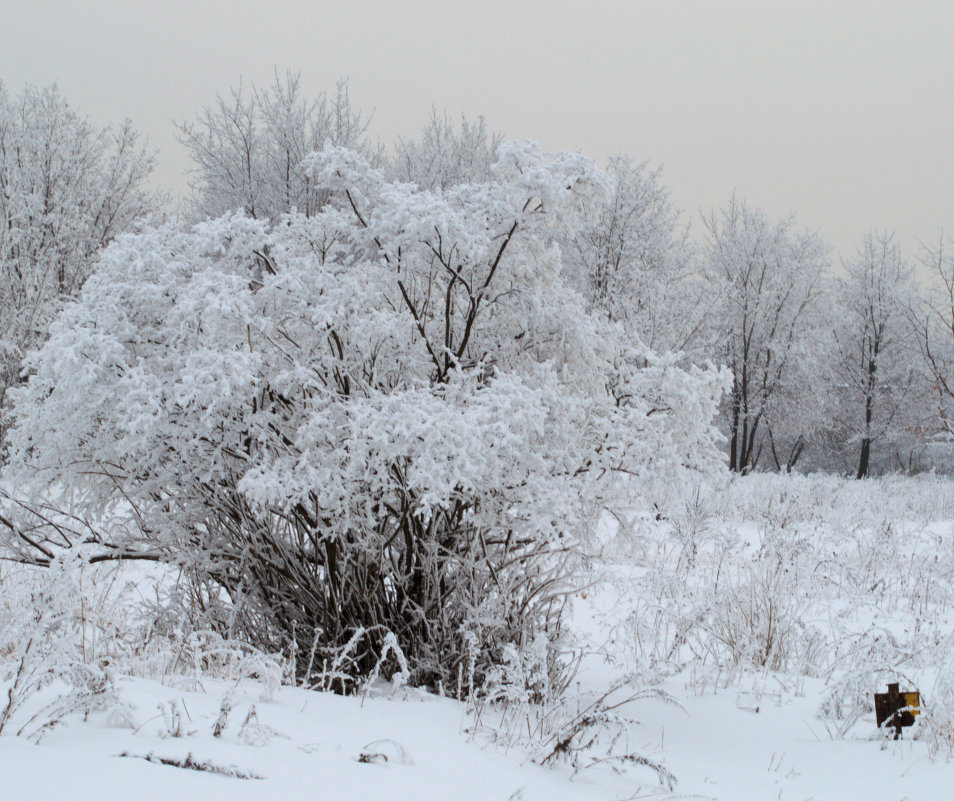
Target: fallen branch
<point>231,771</point>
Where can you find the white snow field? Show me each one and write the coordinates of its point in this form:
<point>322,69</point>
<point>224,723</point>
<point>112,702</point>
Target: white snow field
<point>717,748</point>
<point>754,624</point>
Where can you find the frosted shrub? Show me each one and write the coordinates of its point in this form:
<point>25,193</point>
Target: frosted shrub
<point>868,661</point>
<point>521,680</point>
<point>393,417</point>
<point>67,631</point>
<point>518,705</point>
<point>51,627</point>
<point>207,653</point>
<point>757,616</point>
<point>936,722</point>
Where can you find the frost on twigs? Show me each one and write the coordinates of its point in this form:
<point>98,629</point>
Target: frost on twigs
<point>516,708</point>
<point>51,635</point>
<point>363,431</point>
<point>223,718</point>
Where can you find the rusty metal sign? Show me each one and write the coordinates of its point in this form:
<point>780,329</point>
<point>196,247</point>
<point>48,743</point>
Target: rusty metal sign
<point>897,709</point>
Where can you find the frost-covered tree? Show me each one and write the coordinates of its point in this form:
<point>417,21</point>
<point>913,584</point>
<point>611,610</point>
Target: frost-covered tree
<point>873,368</point>
<point>247,149</point>
<point>634,262</point>
<point>445,154</point>
<point>67,189</point>
<point>797,421</point>
<point>386,428</point>
<point>935,331</point>
<point>766,275</point>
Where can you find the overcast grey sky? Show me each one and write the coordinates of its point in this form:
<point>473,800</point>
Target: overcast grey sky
<point>840,112</point>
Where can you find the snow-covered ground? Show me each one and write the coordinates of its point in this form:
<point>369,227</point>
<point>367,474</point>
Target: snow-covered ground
<point>737,744</point>
<point>769,615</point>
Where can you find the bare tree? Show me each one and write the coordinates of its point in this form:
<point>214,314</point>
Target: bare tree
<point>247,148</point>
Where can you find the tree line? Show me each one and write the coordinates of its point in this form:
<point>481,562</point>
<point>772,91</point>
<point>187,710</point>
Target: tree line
<point>841,366</point>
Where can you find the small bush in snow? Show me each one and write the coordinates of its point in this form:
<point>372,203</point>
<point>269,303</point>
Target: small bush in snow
<point>51,633</point>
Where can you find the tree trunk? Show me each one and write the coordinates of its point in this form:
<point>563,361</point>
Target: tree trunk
<point>865,455</point>
<point>869,412</point>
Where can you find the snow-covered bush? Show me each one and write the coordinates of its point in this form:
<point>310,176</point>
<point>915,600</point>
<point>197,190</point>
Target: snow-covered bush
<point>391,421</point>
<point>69,630</point>
<point>53,625</point>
